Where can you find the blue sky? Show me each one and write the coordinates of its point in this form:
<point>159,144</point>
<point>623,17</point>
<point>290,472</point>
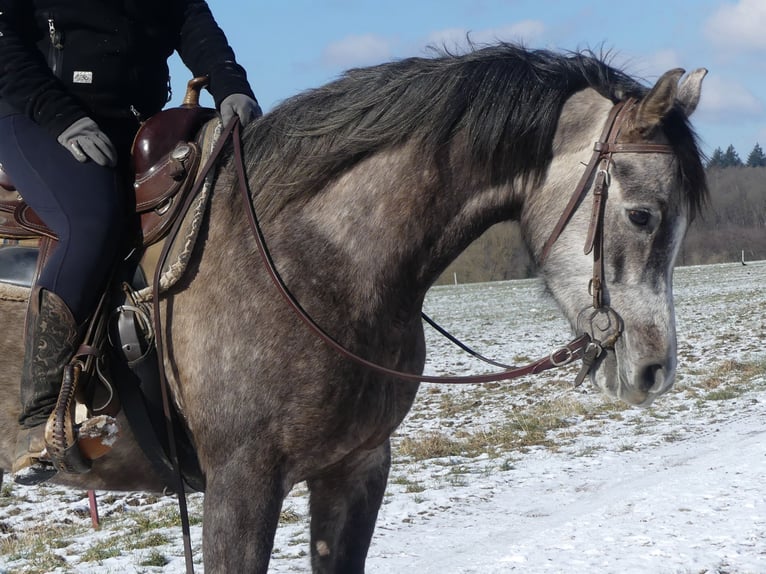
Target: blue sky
<point>291,45</point>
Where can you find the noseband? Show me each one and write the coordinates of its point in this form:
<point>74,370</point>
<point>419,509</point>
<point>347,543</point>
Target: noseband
<point>600,321</point>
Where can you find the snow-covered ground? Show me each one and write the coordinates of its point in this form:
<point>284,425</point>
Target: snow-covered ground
<point>529,476</point>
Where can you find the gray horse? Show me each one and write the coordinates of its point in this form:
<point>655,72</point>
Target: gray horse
<point>366,189</point>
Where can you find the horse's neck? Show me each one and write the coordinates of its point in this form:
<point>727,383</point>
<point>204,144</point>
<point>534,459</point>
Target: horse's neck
<point>399,221</point>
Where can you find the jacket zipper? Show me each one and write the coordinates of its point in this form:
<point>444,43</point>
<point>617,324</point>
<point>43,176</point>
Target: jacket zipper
<point>55,52</point>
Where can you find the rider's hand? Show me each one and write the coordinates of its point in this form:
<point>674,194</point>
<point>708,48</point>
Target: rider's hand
<point>85,140</point>
<point>241,105</point>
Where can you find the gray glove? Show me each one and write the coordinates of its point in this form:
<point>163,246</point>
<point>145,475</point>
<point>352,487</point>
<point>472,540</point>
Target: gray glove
<point>239,105</point>
<point>85,140</point>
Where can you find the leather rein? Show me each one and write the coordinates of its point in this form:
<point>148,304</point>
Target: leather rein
<point>584,346</point>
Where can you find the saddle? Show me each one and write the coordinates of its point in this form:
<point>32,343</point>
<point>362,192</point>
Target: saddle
<point>166,156</point>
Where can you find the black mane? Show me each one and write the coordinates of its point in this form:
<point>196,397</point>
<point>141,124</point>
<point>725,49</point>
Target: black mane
<point>505,98</point>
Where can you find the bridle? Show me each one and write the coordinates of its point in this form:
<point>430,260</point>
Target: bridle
<point>600,160</point>
<point>600,318</point>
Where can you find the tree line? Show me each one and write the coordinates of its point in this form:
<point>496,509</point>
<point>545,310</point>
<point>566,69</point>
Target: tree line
<point>733,222</point>
<point>730,158</point>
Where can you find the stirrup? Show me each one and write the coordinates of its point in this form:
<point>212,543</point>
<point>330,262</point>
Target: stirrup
<point>73,447</point>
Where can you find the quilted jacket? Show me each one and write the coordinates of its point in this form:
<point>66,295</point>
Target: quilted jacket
<point>65,59</point>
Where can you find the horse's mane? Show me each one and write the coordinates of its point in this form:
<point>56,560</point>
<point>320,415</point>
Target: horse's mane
<point>504,98</point>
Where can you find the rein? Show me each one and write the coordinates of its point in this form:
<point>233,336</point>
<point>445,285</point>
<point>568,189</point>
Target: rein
<point>599,317</point>
<point>575,349</point>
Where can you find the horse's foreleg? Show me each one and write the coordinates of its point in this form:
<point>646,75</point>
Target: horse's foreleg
<point>241,509</point>
<point>344,506</point>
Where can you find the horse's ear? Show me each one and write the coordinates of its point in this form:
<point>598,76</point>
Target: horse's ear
<point>690,89</point>
<point>658,102</point>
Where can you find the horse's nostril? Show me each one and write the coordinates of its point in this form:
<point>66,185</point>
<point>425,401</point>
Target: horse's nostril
<point>652,377</point>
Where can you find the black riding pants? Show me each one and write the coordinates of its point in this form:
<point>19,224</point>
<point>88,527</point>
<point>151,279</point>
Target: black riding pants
<point>83,203</point>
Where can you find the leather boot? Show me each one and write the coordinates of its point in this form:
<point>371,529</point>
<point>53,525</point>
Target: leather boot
<point>51,336</point>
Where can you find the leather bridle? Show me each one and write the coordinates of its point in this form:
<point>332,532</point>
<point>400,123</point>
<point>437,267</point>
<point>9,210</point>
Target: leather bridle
<point>599,319</point>
<point>600,162</point>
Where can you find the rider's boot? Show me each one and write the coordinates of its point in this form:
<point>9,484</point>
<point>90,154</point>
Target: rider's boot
<point>51,336</point>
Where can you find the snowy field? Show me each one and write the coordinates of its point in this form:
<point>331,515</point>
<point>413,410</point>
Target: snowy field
<point>530,476</point>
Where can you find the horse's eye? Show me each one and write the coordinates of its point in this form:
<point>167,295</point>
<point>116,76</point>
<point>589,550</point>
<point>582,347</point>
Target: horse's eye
<point>639,217</point>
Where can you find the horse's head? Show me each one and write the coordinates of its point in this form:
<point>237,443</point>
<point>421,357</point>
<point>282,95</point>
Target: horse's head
<point>610,261</point>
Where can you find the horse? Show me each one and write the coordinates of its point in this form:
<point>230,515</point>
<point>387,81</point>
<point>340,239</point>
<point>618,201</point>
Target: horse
<point>365,189</point>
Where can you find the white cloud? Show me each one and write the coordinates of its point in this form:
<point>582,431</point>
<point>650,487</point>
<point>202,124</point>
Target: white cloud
<point>726,101</point>
<point>738,27</point>
<point>357,51</point>
<point>527,31</point>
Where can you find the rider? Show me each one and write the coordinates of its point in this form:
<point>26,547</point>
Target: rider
<point>76,79</point>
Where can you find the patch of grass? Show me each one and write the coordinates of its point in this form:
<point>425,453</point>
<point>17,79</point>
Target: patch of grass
<point>729,379</point>
<point>508,464</point>
<point>522,429</point>
<point>36,546</point>
<point>149,540</point>
<point>674,436</point>
<point>457,480</point>
<point>460,469</point>
<point>431,445</point>
<point>588,451</point>
<point>299,540</point>
<point>155,558</point>
<point>414,487</point>
<point>723,394</point>
<point>102,550</point>
<point>289,516</point>
<point>450,406</point>
<point>166,517</point>
<point>411,486</point>
<point>529,427</point>
<point>43,563</point>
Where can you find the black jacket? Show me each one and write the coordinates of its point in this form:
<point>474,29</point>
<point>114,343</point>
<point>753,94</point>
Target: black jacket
<point>61,60</point>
